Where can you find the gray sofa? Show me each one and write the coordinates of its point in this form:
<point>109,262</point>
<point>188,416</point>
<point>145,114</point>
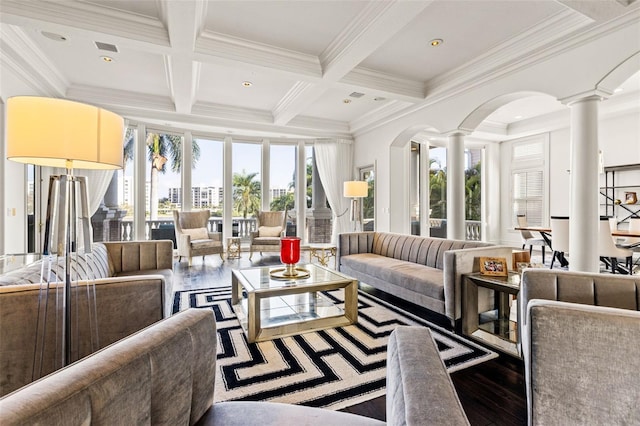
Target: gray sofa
<point>580,334</point>
<point>425,271</point>
<point>133,282</point>
<point>165,375</point>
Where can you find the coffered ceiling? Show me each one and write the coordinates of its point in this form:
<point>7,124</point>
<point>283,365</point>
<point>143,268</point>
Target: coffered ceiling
<point>315,68</point>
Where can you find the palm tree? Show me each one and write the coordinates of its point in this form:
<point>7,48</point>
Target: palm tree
<point>437,190</point>
<point>246,193</point>
<point>161,148</point>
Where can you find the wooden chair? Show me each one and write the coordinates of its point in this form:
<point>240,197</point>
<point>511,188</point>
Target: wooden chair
<point>193,236</point>
<point>270,228</point>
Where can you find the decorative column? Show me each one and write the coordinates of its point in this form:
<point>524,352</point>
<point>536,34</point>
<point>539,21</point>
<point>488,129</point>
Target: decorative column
<point>584,209</point>
<point>455,187</point>
<point>319,216</point>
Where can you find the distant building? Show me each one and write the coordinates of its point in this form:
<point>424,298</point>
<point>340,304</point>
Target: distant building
<point>201,196</point>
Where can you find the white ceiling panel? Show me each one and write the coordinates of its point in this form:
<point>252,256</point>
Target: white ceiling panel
<point>223,85</point>
<point>302,26</point>
<point>332,106</point>
<point>468,29</point>
<point>79,61</point>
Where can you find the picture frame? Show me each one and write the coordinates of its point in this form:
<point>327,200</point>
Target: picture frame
<point>495,266</point>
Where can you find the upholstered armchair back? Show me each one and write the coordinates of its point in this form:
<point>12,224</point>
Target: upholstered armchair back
<point>191,220</point>
<point>277,218</point>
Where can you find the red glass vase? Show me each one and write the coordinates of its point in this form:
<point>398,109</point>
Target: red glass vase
<point>290,254</point>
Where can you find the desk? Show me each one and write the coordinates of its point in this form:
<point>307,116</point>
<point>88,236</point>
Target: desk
<point>629,234</point>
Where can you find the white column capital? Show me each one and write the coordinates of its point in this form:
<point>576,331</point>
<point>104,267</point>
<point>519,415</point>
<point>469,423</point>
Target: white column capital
<point>456,133</point>
<point>591,95</point>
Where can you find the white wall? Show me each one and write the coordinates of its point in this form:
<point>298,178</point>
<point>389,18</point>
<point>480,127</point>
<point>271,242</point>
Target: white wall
<point>13,227</point>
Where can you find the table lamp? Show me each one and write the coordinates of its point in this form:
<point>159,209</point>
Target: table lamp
<point>61,133</point>
<point>356,189</point>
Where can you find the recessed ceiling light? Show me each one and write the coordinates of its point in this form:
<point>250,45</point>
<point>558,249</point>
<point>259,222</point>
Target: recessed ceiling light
<point>379,98</point>
<point>518,117</point>
<point>346,101</point>
<point>54,36</point>
<point>618,90</point>
<point>436,42</point>
<point>247,83</point>
<point>106,58</point>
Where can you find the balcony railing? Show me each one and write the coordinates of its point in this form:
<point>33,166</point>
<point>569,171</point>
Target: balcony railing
<point>473,228</point>
<point>243,227</point>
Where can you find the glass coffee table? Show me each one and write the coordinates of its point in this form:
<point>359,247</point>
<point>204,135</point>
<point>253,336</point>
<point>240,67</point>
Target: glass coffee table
<point>268,308</point>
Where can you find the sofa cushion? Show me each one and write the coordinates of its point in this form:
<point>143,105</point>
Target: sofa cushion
<point>88,266</point>
<point>407,275</point>
<point>201,244</point>
<point>237,413</point>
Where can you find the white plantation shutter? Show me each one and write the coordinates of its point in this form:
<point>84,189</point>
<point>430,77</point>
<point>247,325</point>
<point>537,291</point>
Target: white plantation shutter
<point>528,180</point>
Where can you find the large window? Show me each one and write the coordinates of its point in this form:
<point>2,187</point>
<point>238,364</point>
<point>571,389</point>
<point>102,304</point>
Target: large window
<point>125,187</point>
<point>282,177</point>
<point>164,164</point>
<point>367,174</point>
<point>246,169</point>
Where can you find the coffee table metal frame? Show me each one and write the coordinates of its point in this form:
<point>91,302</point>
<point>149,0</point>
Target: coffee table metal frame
<point>255,292</point>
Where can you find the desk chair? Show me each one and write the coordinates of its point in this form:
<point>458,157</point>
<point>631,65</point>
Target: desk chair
<point>527,237</point>
<point>560,241</point>
<point>607,249</point>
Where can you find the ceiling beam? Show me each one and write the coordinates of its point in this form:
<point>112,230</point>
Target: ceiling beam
<point>184,22</point>
<point>375,25</point>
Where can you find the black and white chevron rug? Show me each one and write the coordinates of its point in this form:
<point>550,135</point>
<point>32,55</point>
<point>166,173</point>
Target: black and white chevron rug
<point>332,368</point>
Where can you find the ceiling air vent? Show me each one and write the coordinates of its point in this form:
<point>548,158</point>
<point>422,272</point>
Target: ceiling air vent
<point>106,46</point>
<point>356,95</point>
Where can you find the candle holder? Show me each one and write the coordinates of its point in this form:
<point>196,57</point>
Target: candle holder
<point>289,255</point>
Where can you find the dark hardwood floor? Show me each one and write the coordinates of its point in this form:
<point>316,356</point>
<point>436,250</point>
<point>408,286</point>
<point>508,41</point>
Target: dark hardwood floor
<point>491,393</point>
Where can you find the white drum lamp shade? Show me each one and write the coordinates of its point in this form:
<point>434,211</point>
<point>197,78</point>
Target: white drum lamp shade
<point>356,189</point>
<point>61,133</point>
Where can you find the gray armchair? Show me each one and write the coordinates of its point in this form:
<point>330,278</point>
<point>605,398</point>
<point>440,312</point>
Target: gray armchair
<point>193,236</point>
<point>271,226</point>
<point>580,334</point>
<point>582,364</point>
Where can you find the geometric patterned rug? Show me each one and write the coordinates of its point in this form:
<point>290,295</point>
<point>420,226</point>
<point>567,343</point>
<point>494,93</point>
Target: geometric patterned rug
<point>333,368</point>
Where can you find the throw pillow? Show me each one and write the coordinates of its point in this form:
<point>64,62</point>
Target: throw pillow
<point>269,231</point>
<point>197,233</point>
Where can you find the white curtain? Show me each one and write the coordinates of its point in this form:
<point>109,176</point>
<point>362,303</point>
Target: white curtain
<point>97,183</point>
<point>334,159</point>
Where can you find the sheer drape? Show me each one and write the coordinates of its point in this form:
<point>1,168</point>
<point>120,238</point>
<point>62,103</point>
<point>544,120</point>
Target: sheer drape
<point>334,159</point>
<point>97,184</point>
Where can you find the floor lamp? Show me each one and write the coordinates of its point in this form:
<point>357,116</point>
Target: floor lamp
<point>356,189</point>
<point>70,135</point>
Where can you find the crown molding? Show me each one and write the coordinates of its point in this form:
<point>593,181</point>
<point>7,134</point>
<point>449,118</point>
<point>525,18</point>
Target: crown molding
<point>88,17</point>
<point>23,57</point>
<point>300,95</point>
<point>207,109</point>
<point>396,87</point>
<point>111,98</point>
<point>367,121</point>
<point>332,126</point>
<point>211,45</point>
